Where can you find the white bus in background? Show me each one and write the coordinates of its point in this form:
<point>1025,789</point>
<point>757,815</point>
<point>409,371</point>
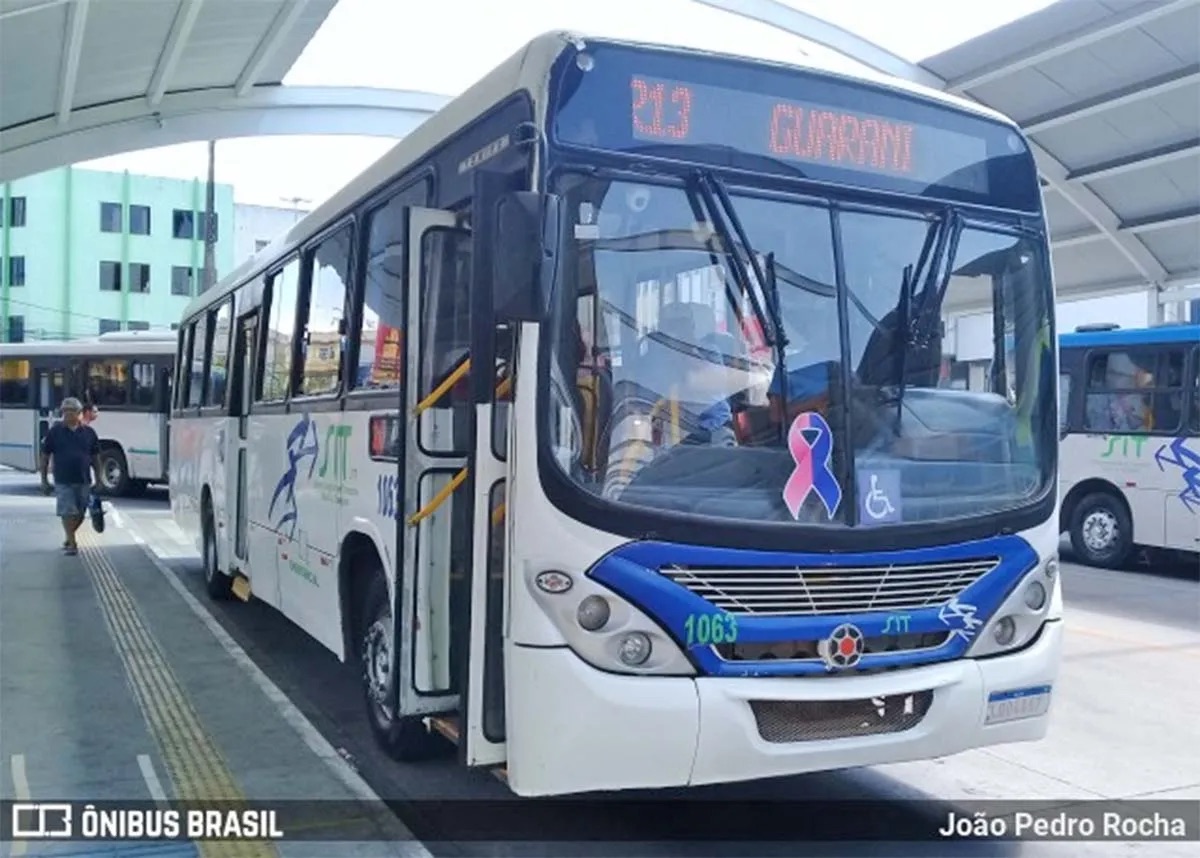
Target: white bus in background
<point>126,375</point>
<point>1129,409</point>
<point>458,446</point>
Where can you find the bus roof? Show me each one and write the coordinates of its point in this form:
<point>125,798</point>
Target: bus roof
<point>528,69</point>
<point>155,345</point>
<point>1162,335</point>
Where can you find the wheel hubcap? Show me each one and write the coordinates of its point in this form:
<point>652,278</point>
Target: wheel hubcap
<point>377,662</point>
<point>1100,531</point>
<point>111,473</point>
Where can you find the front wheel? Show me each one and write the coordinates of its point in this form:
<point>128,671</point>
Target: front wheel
<point>114,472</point>
<point>405,738</point>
<point>217,584</point>
<point>1101,531</point>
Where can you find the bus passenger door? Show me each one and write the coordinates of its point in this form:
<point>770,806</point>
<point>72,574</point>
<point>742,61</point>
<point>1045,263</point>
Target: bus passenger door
<point>51,390</point>
<point>434,503</point>
<point>241,399</point>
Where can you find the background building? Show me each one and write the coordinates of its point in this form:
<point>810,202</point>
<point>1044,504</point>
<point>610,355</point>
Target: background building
<point>257,226</point>
<point>84,252</point>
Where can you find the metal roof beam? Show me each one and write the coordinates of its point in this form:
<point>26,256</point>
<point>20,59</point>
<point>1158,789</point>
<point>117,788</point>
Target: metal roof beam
<point>776,14</point>
<point>1113,99</point>
<point>72,48</point>
<point>181,30</point>
<point>184,117</point>
<point>1180,217</point>
<point>265,49</point>
<point>1056,47</point>
<point>1153,158</point>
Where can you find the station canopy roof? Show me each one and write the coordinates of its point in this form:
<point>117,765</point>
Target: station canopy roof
<point>1109,90</point>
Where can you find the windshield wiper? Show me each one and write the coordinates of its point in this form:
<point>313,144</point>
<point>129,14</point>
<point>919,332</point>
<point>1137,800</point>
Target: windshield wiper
<point>717,199</point>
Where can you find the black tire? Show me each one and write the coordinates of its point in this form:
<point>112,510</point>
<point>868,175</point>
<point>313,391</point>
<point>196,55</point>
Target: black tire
<point>407,739</point>
<point>217,584</point>
<point>1101,530</point>
<point>114,472</point>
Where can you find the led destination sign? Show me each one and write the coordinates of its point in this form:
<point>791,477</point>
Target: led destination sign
<point>687,108</point>
<point>803,131</point>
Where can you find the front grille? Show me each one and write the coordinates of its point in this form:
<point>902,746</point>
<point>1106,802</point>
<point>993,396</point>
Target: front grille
<point>807,649</point>
<point>781,721</point>
<point>841,590</point>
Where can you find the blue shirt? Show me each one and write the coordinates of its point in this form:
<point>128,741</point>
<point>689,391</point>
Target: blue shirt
<point>72,452</point>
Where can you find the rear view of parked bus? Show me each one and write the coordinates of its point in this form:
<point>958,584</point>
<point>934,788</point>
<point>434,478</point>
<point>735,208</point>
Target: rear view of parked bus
<point>1129,411</point>
<point>606,425</point>
<point>124,376</point>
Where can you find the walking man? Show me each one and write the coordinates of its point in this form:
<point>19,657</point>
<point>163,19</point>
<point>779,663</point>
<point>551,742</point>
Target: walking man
<point>74,447</point>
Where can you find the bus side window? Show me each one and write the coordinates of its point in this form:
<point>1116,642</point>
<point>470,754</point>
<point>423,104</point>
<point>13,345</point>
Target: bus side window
<point>107,383</point>
<point>277,372</point>
<point>1195,421</point>
<point>143,390</point>
<point>380,317</point>
<point>14,383</point>
<point>218,370</point>
<point>182,361</point>
<point>1064,402</point>
<point>195,387</point>
<point>323,345</point>
<point>445,337</point>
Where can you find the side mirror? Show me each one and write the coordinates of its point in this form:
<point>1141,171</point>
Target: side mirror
<point>528,236</point>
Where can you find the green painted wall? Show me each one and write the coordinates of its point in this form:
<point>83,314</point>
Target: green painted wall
<point>63,246</point>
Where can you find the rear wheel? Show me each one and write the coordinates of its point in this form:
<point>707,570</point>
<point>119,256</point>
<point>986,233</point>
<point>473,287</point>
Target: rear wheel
<point>114,471</point>
<point>403,738</point>
<point>218,585</point>
<point>1101,530</point>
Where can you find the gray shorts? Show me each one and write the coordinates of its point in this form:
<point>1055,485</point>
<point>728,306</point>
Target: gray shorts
<point>71,500</point>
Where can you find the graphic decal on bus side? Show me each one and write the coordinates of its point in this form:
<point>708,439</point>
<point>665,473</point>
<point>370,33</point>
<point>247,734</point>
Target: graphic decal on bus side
<point>335,477</point>
<point>298,448</point>
<point>1188,462</point>
<point>810,441</point>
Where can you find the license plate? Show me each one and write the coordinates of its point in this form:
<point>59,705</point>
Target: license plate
<point>1017,703</point>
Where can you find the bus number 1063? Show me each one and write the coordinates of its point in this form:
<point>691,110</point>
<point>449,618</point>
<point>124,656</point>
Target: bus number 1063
<point>707,629</point>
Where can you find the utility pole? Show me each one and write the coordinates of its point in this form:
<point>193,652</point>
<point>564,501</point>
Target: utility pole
<point>210,232</point>
<point>295,206</point>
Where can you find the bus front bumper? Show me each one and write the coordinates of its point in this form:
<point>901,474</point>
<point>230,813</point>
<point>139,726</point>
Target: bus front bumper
<point>585,730</point>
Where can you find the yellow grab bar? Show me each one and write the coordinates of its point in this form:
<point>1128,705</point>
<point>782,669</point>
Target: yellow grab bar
<point>440,391</point>
<point>438,499</point>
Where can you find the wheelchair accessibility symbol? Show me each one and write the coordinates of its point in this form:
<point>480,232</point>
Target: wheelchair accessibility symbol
<point>879,497</point>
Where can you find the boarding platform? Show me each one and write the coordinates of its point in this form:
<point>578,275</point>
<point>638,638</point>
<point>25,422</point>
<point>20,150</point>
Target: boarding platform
<point>115,685</point>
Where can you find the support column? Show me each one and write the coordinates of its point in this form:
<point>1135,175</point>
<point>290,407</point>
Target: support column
<point>5,255</point>
<point>1154,311</point>
<point>67,245</point>
<point>195,237</point>
<point>127,283</point>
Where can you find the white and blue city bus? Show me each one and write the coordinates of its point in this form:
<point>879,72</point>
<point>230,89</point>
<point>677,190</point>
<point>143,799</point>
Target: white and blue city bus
<point>608,425</point>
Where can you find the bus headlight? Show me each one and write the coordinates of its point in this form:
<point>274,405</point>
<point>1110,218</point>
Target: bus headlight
<point>1021,616</point>
<point>607,632</point>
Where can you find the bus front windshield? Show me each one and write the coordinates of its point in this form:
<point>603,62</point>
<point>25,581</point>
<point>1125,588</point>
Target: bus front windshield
<point>756,373</point>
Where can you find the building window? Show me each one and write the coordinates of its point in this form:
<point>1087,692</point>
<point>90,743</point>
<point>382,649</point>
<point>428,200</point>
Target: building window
<point>260,244</point>
<point>16,271</point>
<point>110,276</point>
<point>16,329</point>
<point>110,217</point>
<point>137,326</point>
<point>183,224</point>
<point>16,212</point>
<point>139,220</point>
<point>139,277</point>
<point>107,326</point>
<point>181,280</point>
<point>174,326</point>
